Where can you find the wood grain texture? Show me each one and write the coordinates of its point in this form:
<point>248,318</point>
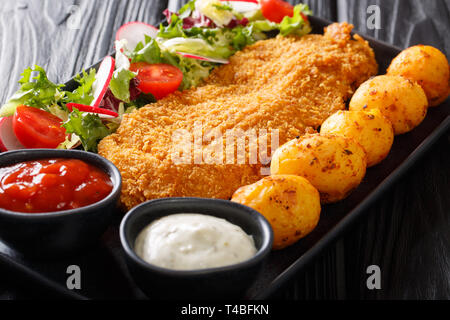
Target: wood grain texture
<point>403,22</point>
<point>46,33</point>
<point>407,233</point>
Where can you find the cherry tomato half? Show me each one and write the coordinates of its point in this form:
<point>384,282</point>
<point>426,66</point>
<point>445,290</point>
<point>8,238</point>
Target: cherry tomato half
<point>36,128</point>
<point>276,10</point>
<point>159,79</point>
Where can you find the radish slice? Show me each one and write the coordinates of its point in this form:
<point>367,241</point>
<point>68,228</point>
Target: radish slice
<point>134,32</point>
<point>243,6</point>
<point>102,80</point>
<point>8,140</point>
<point>194,56</point>
<point>102,113</point>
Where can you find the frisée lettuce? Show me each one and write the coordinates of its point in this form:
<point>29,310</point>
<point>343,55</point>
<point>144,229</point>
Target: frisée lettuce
<point>88,127</point>
<point>83,93</point>
<point>35,91</point>
<point>39,92</point>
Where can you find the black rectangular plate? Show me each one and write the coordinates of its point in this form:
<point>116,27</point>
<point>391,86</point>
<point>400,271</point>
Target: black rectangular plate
<point>104,273</point>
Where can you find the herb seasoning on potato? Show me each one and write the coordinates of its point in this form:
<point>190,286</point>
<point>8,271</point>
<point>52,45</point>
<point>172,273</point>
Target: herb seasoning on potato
<point>402,101</point>
<point>290,204</point>
<point>428,67</point>
<point>370,129</point>
<point>335,165</point>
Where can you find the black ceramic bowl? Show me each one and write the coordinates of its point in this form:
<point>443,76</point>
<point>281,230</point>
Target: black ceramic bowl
<point>58,233</point>
<point>224,282</point>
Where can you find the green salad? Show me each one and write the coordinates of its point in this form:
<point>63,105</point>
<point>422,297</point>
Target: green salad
<point>150,63</point>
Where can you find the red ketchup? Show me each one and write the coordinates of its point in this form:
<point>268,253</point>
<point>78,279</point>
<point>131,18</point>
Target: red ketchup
<point>52,185</point>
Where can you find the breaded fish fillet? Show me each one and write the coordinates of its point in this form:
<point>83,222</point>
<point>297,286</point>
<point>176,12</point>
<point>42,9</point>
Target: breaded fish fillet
<point>287,84</point>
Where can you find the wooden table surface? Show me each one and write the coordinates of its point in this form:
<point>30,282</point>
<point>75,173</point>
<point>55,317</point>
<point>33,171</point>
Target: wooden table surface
<point>407,233</point>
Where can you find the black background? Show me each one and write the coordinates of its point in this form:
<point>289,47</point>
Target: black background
<point>407,233</point>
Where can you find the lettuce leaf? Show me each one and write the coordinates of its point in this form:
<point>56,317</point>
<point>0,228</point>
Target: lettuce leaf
<point>218,12</point>
<point>198,47</point>
<point>194,71</point>
<point>173,30</point>
<point>72,140</point>
<point>83,93</point>
<point>296,24</point>
<point>88,127</point>
<point>149,52</point>
<point>120,84</point>
<point>35,91</point>
<point>186,10</point>
<point>39,92</point>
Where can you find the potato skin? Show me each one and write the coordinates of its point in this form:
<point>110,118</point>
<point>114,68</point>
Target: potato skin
<point>400,100</point>
<point>428,67</point>
<point>290,204</point>
<point>335,165</point>
<point>370,129</point>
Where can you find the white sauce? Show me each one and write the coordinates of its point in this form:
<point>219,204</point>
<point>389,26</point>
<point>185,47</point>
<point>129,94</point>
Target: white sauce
<point>193,241</point>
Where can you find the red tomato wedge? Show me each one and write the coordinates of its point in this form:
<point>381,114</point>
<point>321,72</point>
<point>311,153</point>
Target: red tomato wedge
<point>276,10</point>
<point>36,128</point>
<point>159,79</point>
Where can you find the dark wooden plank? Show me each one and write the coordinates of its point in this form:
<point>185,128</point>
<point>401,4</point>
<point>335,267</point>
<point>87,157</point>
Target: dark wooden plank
<point>406,234</point>
<point>326,9</point>
<point>403,23</point>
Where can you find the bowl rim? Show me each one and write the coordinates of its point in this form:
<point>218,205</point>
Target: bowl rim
<point>109,168</point>
<point>261,254</point>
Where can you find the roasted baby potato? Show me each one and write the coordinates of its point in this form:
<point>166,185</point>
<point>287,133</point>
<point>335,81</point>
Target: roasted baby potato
<point>402,101</point>
<point>370,129</point>
<point>335,165</point>
<point>290,204</point>
<point>428,67</point>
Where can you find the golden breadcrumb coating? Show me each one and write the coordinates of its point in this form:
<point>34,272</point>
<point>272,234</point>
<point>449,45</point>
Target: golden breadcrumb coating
<point>288,84</point>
